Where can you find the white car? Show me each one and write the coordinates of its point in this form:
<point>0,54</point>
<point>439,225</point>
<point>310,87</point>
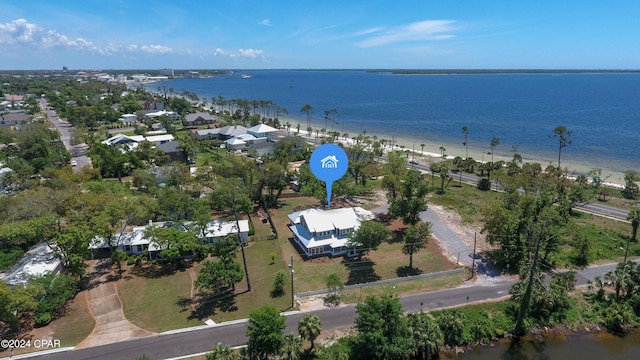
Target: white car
<point>74,163</point>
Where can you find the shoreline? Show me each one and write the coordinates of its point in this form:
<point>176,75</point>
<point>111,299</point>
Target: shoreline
<point>432,152</point>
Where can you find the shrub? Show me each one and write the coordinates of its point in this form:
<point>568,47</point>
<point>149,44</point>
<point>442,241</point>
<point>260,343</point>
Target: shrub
<point>42,319</point>
<point>484,184</point>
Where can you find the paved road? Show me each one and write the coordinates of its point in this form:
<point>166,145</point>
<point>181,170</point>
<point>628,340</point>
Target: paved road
<point>78,152</point>
<point>165,346</point>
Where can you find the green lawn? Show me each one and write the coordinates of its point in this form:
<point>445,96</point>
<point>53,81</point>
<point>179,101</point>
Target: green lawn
<point>156,301</point>
<point>76,324</point>
<point>466,200</point>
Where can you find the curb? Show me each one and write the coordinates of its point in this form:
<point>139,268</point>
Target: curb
<point>38,353</point>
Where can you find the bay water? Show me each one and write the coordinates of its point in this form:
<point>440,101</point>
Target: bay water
<point>602,110</point>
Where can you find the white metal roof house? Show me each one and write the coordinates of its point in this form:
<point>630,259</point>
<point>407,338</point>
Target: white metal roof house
<point>321,232</point>
<point>262,130</point>
<point>136,242</point>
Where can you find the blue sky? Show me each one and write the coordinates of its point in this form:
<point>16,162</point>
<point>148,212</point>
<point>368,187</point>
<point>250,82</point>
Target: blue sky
<point>319,34</point>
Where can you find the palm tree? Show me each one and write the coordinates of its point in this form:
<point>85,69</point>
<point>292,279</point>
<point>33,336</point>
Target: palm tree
<point>427,336</point>
<point>634,217</point>
<point>562,134</point>
<point>465,132</point>
<point>442,150</point>
<point>422,146</point>
<point>309,328</point>
<point>221,352</point>
<point>309,110</point>
<point>291,346</point>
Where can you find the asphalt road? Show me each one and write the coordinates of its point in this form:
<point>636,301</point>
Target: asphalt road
<point>164,346</point>
<point>78,152</point>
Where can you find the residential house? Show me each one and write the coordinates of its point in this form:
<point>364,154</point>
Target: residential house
<point>14,119</point>
<point>231,131</point>
<point>156,114</point>
<point>319,232</point>
<point>172,148</point>
<point>199,118</point>
<point>206,134</point>
<point>148,105</point>
<point>136,242</point>
<point>263,130</point>
<point>160,139</point>
<point>235,144</point>
<point>261,149</point>
<point>129,118</point>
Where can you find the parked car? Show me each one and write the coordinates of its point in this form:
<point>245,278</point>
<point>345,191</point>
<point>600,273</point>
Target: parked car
<point>413,162</point>
<point>74,163</point>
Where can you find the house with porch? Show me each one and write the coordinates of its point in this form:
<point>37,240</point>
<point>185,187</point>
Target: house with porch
<point>136,242</point>
<point>319,232</point>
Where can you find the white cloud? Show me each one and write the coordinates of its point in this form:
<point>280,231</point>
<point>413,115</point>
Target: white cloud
<point>246,53</point>
<point>265,22</point>
<point>156,49</point>
<point>428,30</point>
<point>22,32</point>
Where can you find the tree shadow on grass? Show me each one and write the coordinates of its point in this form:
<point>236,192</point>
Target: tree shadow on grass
<point>207,305</point>
<point>157,270</point>
<point>360,271</point>
<point>404,271</point>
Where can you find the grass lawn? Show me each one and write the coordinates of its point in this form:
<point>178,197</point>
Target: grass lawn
<point>155,301</point>
<point>77,323</point>
<point>466,200</point>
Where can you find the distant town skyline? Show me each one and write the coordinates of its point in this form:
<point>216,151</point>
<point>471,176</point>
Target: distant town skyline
<point>330,34</point>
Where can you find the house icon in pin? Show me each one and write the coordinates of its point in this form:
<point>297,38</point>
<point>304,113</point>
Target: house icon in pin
<point>329,162</point>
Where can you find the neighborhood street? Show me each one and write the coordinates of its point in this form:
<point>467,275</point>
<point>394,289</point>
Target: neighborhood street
<point>78,152</point>
<point>169,345</point>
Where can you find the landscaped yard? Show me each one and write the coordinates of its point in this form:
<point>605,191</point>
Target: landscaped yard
<point>157,301</point>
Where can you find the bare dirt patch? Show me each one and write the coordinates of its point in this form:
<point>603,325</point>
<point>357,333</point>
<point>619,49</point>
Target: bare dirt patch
<point>466,232</point>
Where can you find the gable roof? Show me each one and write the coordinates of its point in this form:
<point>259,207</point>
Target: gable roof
<point>232,130</point>
<point>317,220</point>
<point>203,115</point>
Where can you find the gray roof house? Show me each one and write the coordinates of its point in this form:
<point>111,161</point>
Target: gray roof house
<point>199,118</point>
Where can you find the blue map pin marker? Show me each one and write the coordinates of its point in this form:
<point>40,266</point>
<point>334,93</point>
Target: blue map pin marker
<point>328,163</point>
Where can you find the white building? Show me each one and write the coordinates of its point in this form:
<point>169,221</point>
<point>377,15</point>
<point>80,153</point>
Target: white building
<point>326,232</point>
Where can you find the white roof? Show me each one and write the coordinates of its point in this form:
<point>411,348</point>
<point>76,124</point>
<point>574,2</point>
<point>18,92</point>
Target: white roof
<point>123,139</point>
<point>158,138</point>
<point>261,129</point>
<point>218,228</point>
<point>246,137</point>
<point>235,141</point>
<point>306,222</point>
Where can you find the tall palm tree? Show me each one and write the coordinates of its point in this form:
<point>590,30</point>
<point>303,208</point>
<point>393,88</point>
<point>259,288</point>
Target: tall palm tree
<point>634,217</point>
<point>221,352</point>
<point>291,347</point>
<point>309,328</point>
<point>465,132</point>
<point>309,110</point>
<point>422,146</point>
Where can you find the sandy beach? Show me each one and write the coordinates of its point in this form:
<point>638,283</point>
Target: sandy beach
<point>432,152</point>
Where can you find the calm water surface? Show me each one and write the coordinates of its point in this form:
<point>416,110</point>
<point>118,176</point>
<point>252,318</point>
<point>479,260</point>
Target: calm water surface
<point>600,346</point>
<point>602,110</point>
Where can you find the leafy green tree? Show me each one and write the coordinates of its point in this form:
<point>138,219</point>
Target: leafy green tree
<point>72,245</point>
<point>427,336</point>
<point>265,332</point>
<point>368,237</point>
<point>334,284</point>
<point>309,328</point>
<point>411,200</point>
<point>415,239</point>
<point>394,171</point>
<point>291,347</point>
<point>631,188</point>
<point>279,280</point>
<point>563,135</point>
<point>219,275</point>
<point>383,330</point>
<point>14,302</point>
<point>174,244</point>
<point>442,169</point>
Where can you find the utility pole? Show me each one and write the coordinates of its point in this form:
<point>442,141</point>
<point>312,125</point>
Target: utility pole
<point>244,258</point>
<point>292,293</point>
<point>473,259</point>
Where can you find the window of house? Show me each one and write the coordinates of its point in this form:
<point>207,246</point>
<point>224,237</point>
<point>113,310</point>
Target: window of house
<point>127,248</point>
<point>316,250</point>
<point>346,231</point>
<point>323,233</point>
